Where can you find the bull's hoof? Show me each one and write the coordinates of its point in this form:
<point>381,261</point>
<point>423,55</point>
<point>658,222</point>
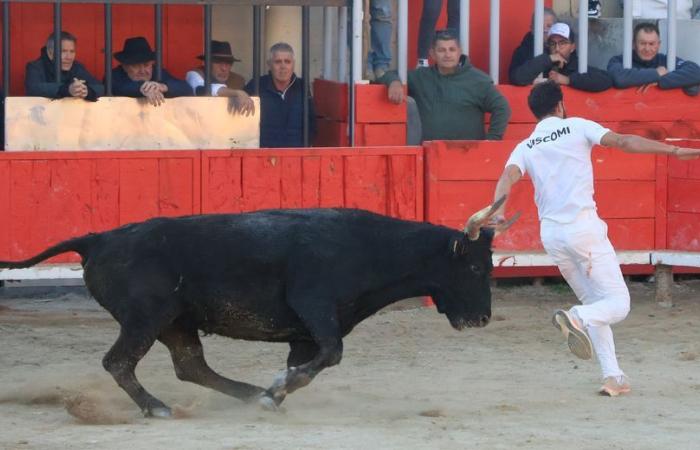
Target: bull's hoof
<point>160,412</point>
<point>268,403</point>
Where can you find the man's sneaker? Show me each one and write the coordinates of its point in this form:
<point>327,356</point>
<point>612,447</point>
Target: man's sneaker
<point>576,337</point>
<point>614,386</point>
<point>594,8</point>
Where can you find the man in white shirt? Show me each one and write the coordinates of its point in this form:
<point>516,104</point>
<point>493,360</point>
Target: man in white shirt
<point>557,156</point>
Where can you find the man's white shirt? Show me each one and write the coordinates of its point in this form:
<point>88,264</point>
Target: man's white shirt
<point>194,79</point>
<point>557,156</point>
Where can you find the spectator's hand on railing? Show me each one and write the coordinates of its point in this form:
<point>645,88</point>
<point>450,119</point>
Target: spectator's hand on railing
<point>645,87</point>
<point>661,70</point>
<point>685,154</point>
<point>78,88</point>
<point>153,91</point>
<point>558,78</point>
<point>240,103</point>
<point>395,91</point>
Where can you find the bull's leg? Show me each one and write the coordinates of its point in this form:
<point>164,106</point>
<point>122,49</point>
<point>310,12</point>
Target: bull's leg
<point>300,352</point>
<point>323,327</point>
<point>120,361</point>
<point>188,358</point>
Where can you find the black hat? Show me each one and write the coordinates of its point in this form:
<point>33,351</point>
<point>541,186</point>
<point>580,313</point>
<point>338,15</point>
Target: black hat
<point>136,50</point>
<point>221,52</point>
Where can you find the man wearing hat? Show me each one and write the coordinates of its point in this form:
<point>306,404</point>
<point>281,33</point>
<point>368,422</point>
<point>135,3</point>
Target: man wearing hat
<point>560,64</point>
<point>224,83</point>
<point>134,77</point>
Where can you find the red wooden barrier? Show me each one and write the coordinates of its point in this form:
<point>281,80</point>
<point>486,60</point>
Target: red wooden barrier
<point>50,196</point>
<point>384,180</point>
<point>684,202</point>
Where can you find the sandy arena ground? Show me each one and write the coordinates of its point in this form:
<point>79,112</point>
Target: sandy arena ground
<point>407,380</point>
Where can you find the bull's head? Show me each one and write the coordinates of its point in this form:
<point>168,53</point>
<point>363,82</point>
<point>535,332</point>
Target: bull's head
<point>465,296</point>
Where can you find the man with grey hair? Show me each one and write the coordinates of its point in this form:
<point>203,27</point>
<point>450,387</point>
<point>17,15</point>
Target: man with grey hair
<point>74,80</point>
<point>282,101</point>
<point>526,49</point>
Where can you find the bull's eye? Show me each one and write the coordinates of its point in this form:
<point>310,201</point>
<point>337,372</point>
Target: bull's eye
<point>476,269</point>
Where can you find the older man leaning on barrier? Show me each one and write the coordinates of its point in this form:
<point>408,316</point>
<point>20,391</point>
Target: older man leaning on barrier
<point>134,76</point>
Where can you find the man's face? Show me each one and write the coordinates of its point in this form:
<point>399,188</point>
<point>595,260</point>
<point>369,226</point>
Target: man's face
<point>281,66</point>
<point>446,54</point>
<point>221,70</point>
<point>67,54</point>
<point>561,46</point>
<point>139,71</point>
<point>646,45</point>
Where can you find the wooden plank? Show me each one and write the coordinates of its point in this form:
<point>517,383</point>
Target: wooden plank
<point>138,190</point>
<point>175,181</point>
<point>5,210</point>
<point>661,203</point>
<point>402,198</point>
<point>311,182</point>
<point>631,233</point>
<point>291,182</point>
<point>222,190</point>
<point>366,183</point>
<point>29,226</point>
<point>332,181</point>
<point>684,196</point>
<point>104,194</point>
<point>468,160</point>
<point>625,199</point>
<point>613,164</point>
<point>390,134</point>
<point>683,231</point>
<point>261,182</point>
<point>373,105</point>
<point>331,99</point>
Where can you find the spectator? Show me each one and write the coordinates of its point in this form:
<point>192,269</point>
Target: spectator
<point>560,64</point>
<point>526,50</point>
<point>379,57</point>
<point>428,19</point>
<point>282,101</point>
<point>134,76</point>
<point>649,66</point>
<point>224,83</point>
<point>75,81</point>
<point>452,96</point>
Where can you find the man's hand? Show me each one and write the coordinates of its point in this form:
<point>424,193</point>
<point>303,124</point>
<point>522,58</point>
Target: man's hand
<point>558,78</point>
<point>396,94</point>
<point>240,103</point>
<point>645,87</point>
<point>78,88</point>
<point>683,153</point>
<point>153,91</point>
<point>661,70</point>
<point>558,60</point>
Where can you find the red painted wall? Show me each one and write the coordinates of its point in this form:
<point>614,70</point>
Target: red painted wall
<point>31,23</point>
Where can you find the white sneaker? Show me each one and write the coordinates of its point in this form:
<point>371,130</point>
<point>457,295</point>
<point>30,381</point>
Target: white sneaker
<point>576,337</point>
<point>614,386</point>
<point>422,63</point>
<point>594,8</point>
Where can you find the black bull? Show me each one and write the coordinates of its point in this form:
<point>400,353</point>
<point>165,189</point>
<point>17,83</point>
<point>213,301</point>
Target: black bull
<point>306,277</point>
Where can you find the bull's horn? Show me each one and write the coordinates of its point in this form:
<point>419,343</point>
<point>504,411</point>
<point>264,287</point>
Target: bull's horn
<point>481,217</point>
<point>501,227</point>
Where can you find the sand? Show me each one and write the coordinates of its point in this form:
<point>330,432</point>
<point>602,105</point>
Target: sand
<point>407,380</point>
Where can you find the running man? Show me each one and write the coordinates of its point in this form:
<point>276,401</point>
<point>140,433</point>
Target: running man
<point>557,155</point>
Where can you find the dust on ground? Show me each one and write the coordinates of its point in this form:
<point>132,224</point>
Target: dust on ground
<point>407,380</point>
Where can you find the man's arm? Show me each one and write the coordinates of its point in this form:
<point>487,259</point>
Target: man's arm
<point>594,80</point>
<point>35,84</point>
<point>511,175</point>
<point>495,103</point>
<point>632,143</point>
<point>623,78</point>
<point>526,72</point>
<point>687,74</point>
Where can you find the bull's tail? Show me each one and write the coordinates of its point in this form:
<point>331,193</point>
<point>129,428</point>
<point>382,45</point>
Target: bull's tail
<point>80,245</point>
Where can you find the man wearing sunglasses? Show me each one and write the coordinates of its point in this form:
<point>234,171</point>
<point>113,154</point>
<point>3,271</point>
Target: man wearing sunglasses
<point>452,96</point>
<point>560,64</point>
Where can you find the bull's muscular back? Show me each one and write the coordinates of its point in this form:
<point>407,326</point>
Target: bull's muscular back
<point>231,274</point>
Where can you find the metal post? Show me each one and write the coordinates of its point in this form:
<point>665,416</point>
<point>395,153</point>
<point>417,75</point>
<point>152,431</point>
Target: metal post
<point>328,43</point>
<point>108,49</point>
<point>582,45</point>
<point>6,48</point>
<point>305,67</point>
<point>257,37</point>
<point>356,53</point>
<point>159,41</point>
<point>57,47</point>
<point>343,44</point>
<point>494,34</point>
<point>402,38</point>
<point>538,27</point>
<point>464,6</point>
<point>672,40</point>
<point>207,49</point>
<point>627,37</point>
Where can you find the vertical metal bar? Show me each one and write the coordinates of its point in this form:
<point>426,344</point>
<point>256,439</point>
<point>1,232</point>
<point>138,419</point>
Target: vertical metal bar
<point>342,44</point>
<point>305,66</point>
<point>356,53</point>
<point>582,44</point>
<point>207,49</point>
<point>6,48</point>
<point>494,37</point>
<point>627,37</point>
<point>464,6</point>
<point>57,47</point>
<point>108,48</point>
<point>538,27</point>
<point>159,41</point>
<point>328,43</point>
<point>402,38</point>
<point>257,38</point>
<point>672,32</point>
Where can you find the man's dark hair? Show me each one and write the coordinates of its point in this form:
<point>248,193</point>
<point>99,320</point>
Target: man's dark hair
<point>544,97</point>
<point>448,34</point>
<point>648,27</point>
<point>65,36</point>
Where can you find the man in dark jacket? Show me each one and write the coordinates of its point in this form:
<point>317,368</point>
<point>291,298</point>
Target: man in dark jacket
<point>134,77</point>
<point>560,64</point>
<point>76,81</point>
<point>649,66</point>
<point>282,101</point>
<point>526,49</point>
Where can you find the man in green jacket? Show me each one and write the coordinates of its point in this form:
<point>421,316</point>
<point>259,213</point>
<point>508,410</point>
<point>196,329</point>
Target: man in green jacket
<point>452,96</point>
